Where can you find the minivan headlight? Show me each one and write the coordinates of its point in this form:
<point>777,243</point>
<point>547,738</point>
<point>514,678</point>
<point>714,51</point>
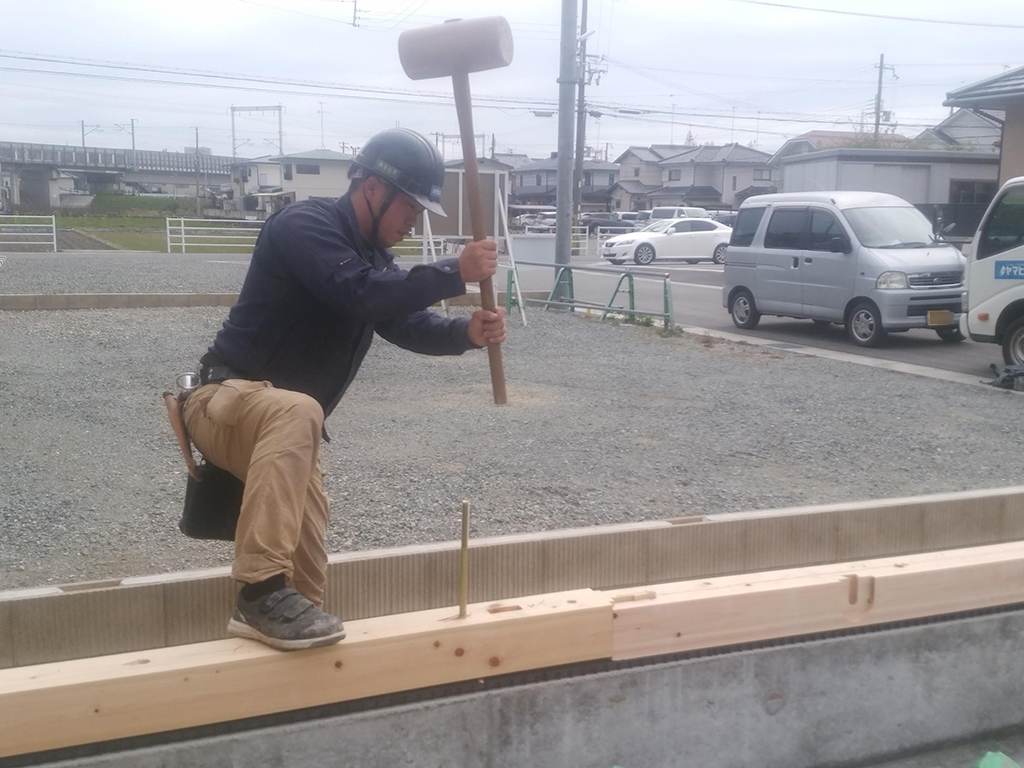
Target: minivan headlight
<point>892,281</point>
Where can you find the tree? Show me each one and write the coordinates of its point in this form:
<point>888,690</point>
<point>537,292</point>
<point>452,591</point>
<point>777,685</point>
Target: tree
<point>691,140</point>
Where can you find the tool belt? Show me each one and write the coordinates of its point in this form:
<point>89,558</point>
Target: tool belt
<point>213,496</point>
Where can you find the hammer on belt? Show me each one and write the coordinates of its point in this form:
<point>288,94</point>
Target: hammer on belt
<point>454,49</point>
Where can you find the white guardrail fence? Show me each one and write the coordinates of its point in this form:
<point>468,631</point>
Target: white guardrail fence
<point>200,234</point>
<point>195,235</point>
<point>29,230</point>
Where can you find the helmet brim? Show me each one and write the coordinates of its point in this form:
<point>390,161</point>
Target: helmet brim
<point>430,205</point>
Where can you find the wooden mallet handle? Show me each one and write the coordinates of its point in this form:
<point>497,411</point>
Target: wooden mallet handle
<point>464,108</point>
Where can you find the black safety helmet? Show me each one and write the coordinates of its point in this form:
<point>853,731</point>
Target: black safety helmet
<point>407,161</point>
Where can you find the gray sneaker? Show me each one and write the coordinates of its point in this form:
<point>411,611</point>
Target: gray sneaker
<point>285,620</point>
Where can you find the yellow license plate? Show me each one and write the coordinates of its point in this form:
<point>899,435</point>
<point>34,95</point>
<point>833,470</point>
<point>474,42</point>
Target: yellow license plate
<point>940,317</point>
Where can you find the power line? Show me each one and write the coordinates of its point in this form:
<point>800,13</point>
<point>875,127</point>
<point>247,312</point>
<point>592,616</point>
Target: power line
<point>880,16</point>
<point>610,109</point>
<point>127,66</point>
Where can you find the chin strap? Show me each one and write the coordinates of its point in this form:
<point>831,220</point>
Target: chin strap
<point>375,217</point>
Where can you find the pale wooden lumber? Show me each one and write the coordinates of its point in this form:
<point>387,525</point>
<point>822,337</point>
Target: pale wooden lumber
<point>708,613</point>
<point>63,704</point>
<point>854,567</point>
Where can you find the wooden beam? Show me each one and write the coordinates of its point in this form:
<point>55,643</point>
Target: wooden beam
<point>707,613</point>
<point>63,704</point>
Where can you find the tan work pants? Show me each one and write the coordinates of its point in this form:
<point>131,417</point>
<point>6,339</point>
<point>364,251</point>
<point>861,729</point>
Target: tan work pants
<point>270,439</point>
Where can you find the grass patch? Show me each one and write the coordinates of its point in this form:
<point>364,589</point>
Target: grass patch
<point>131,241</point>
<point>112,222</point>
<point>139,205</point>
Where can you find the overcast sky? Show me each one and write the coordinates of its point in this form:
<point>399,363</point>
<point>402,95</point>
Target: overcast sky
<point>727,70</point>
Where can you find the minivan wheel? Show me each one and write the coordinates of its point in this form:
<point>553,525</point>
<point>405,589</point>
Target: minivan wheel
<point>644,253</point>
<point>1013,343</point>
<point>744,311</point>
<point>950,333</point>
<point>864,325</point>
<point>718,256</point>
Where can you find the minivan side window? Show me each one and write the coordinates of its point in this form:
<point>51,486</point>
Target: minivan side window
<point>1005,228</point>
<point>786,230</point>
<point>746,227</point>
<point>824,227</point>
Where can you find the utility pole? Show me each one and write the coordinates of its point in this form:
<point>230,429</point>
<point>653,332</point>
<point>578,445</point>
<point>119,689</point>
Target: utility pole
<point>322,144</point>
<point>355,5</point>
<point>493,141</point>
<point>234,143</point>
<point>87,132</point>
<point>581,114</point>
<point>280,129</point>
<point>878,96</point>
<point>566,91</point>
<point>199,209</point>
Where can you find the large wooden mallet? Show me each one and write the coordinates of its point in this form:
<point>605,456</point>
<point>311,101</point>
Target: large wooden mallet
<point>454,49</point>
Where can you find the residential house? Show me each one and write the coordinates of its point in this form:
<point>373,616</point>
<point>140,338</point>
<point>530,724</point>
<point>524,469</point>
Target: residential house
<point>640,175</point>
<point>254,183</point>
<point>267,184</point>
<point>513,160</point>
<point>536,183</point>
<point>714,177</point>
<point>1002,93</point>
<point>964,129</point>
<point>818,141</point>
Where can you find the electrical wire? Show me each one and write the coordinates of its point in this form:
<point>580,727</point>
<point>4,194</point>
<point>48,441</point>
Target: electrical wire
<point>880,15</point>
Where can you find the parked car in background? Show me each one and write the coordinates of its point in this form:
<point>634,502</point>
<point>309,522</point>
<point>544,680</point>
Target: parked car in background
<point>603,220</point>
<point>542,221</point>
<point>864,259</point>
<point>995,275</point>
<point>643,218</point>
<point>689,240</point>
<point>679,212</point>
<point>725,217</point>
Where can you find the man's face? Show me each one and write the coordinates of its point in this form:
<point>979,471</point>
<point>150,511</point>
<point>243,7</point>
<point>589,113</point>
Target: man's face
<point>400,217</point>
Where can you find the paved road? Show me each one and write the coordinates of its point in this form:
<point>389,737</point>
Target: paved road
<point>697,298</point>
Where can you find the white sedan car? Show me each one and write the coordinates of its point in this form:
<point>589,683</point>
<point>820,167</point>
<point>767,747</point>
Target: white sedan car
<point>691,240</point>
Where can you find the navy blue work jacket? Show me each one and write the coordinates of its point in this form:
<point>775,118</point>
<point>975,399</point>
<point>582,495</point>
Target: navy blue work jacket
<point>314,295</point>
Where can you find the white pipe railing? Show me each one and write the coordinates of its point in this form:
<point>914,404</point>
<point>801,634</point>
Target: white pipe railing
<point>28,230</point>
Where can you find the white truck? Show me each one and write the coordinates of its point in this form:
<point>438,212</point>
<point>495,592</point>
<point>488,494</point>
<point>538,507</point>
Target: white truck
<point>994,301</point>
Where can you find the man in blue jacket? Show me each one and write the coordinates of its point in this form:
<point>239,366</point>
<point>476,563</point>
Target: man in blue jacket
<point>321,282</point>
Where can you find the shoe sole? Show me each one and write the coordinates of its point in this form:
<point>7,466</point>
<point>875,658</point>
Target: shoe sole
<point>241,629</point>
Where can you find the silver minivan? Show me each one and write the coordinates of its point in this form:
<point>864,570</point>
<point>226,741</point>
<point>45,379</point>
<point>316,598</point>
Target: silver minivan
<point>867,260</point>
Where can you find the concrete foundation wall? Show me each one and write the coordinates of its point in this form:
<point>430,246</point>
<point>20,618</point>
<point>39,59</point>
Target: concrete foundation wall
<point>834,702</point>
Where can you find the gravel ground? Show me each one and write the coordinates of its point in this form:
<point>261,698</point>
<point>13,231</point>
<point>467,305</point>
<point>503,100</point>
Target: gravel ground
<point>605,424</point>
<point>130,272</point>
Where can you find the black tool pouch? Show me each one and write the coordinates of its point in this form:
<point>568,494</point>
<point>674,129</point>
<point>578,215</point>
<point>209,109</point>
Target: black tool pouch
<point>212,504</point>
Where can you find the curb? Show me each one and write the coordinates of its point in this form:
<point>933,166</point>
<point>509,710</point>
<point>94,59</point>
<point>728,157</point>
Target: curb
<point>37,301</point>
<point>845,357</point>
